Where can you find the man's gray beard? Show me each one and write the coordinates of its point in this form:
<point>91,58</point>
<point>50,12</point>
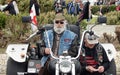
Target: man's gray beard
<point>59,30</point>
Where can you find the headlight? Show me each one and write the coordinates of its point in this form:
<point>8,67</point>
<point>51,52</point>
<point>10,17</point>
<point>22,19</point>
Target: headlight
<point>65,66</point>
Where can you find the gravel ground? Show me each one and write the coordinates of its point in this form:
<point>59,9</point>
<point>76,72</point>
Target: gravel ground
<point>3,59</point>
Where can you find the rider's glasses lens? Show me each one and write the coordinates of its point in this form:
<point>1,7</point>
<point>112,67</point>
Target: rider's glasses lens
<point>61,22</point>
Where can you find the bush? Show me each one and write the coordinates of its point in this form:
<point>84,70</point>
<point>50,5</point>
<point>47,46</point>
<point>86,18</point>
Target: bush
<point>2,1</point>
<point>16,27</point>
<point>71,19</point>
<point>46,18</point>
<point>46,5</point>
<point>105,9</point>
<point>2,20</point>
<point>113,18</point>
<point>112,8</point>
<point>83,24</point>
<point>95,9</point>
<point>23,5</point>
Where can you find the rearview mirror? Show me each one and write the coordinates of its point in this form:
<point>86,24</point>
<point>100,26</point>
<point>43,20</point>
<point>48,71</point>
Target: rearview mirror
<point>101,19</point>
<point>26,19</point>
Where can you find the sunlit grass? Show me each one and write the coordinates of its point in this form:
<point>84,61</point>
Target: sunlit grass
<point>93,20</point>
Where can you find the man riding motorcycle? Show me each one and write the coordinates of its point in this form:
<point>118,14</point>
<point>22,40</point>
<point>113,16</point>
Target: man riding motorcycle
<point>60,40</point>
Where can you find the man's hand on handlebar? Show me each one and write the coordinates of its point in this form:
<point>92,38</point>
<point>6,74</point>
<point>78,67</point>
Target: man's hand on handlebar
<point>47,50</point>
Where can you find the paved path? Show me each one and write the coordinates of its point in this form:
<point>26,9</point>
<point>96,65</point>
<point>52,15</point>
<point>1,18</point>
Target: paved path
<point>100,29</point>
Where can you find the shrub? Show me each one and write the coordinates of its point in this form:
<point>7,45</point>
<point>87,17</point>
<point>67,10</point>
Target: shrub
<point>16,27</point>
<point>113,18</point>
<point>112,8</point>
<point>46,5</point>
<point>105,9</point>
<point>23,5</point>
<point>2,1</point>
<point>46,18</point>
<point>83,24</point>
<point>2,20</point>
<point>71,19</point>
<point>95,9</point>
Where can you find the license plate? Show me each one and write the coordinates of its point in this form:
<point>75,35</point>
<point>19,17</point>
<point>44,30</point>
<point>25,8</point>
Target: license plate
<point>31,70</point>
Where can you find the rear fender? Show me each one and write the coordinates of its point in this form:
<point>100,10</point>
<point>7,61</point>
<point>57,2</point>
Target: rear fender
<point>110,50</point>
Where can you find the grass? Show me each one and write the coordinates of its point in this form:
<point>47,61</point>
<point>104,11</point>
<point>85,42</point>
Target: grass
<point>93,20</point>
<point>2,50</point>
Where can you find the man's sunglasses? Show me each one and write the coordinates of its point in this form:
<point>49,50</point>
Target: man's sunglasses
<point>61,22</point>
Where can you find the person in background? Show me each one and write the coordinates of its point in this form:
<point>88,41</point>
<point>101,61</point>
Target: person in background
<point>60,40</point>
<point>59,5</point>
<point>15,7</point>
<point>86,12</point>
<point>100,2</point>
<point>11,8</point>
<point>73,8</point>
<point>2,7</point>
<point>118,8</point>
<point>101,11</point>
<point>93,58</point>
<point>37,6</point>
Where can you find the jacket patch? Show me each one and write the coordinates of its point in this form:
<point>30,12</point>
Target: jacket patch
<point>67,40</point>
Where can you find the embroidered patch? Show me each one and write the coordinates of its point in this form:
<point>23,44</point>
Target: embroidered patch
<point>67,40</point>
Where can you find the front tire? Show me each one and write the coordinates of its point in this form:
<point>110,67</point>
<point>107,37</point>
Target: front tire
<point>13,67</point>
